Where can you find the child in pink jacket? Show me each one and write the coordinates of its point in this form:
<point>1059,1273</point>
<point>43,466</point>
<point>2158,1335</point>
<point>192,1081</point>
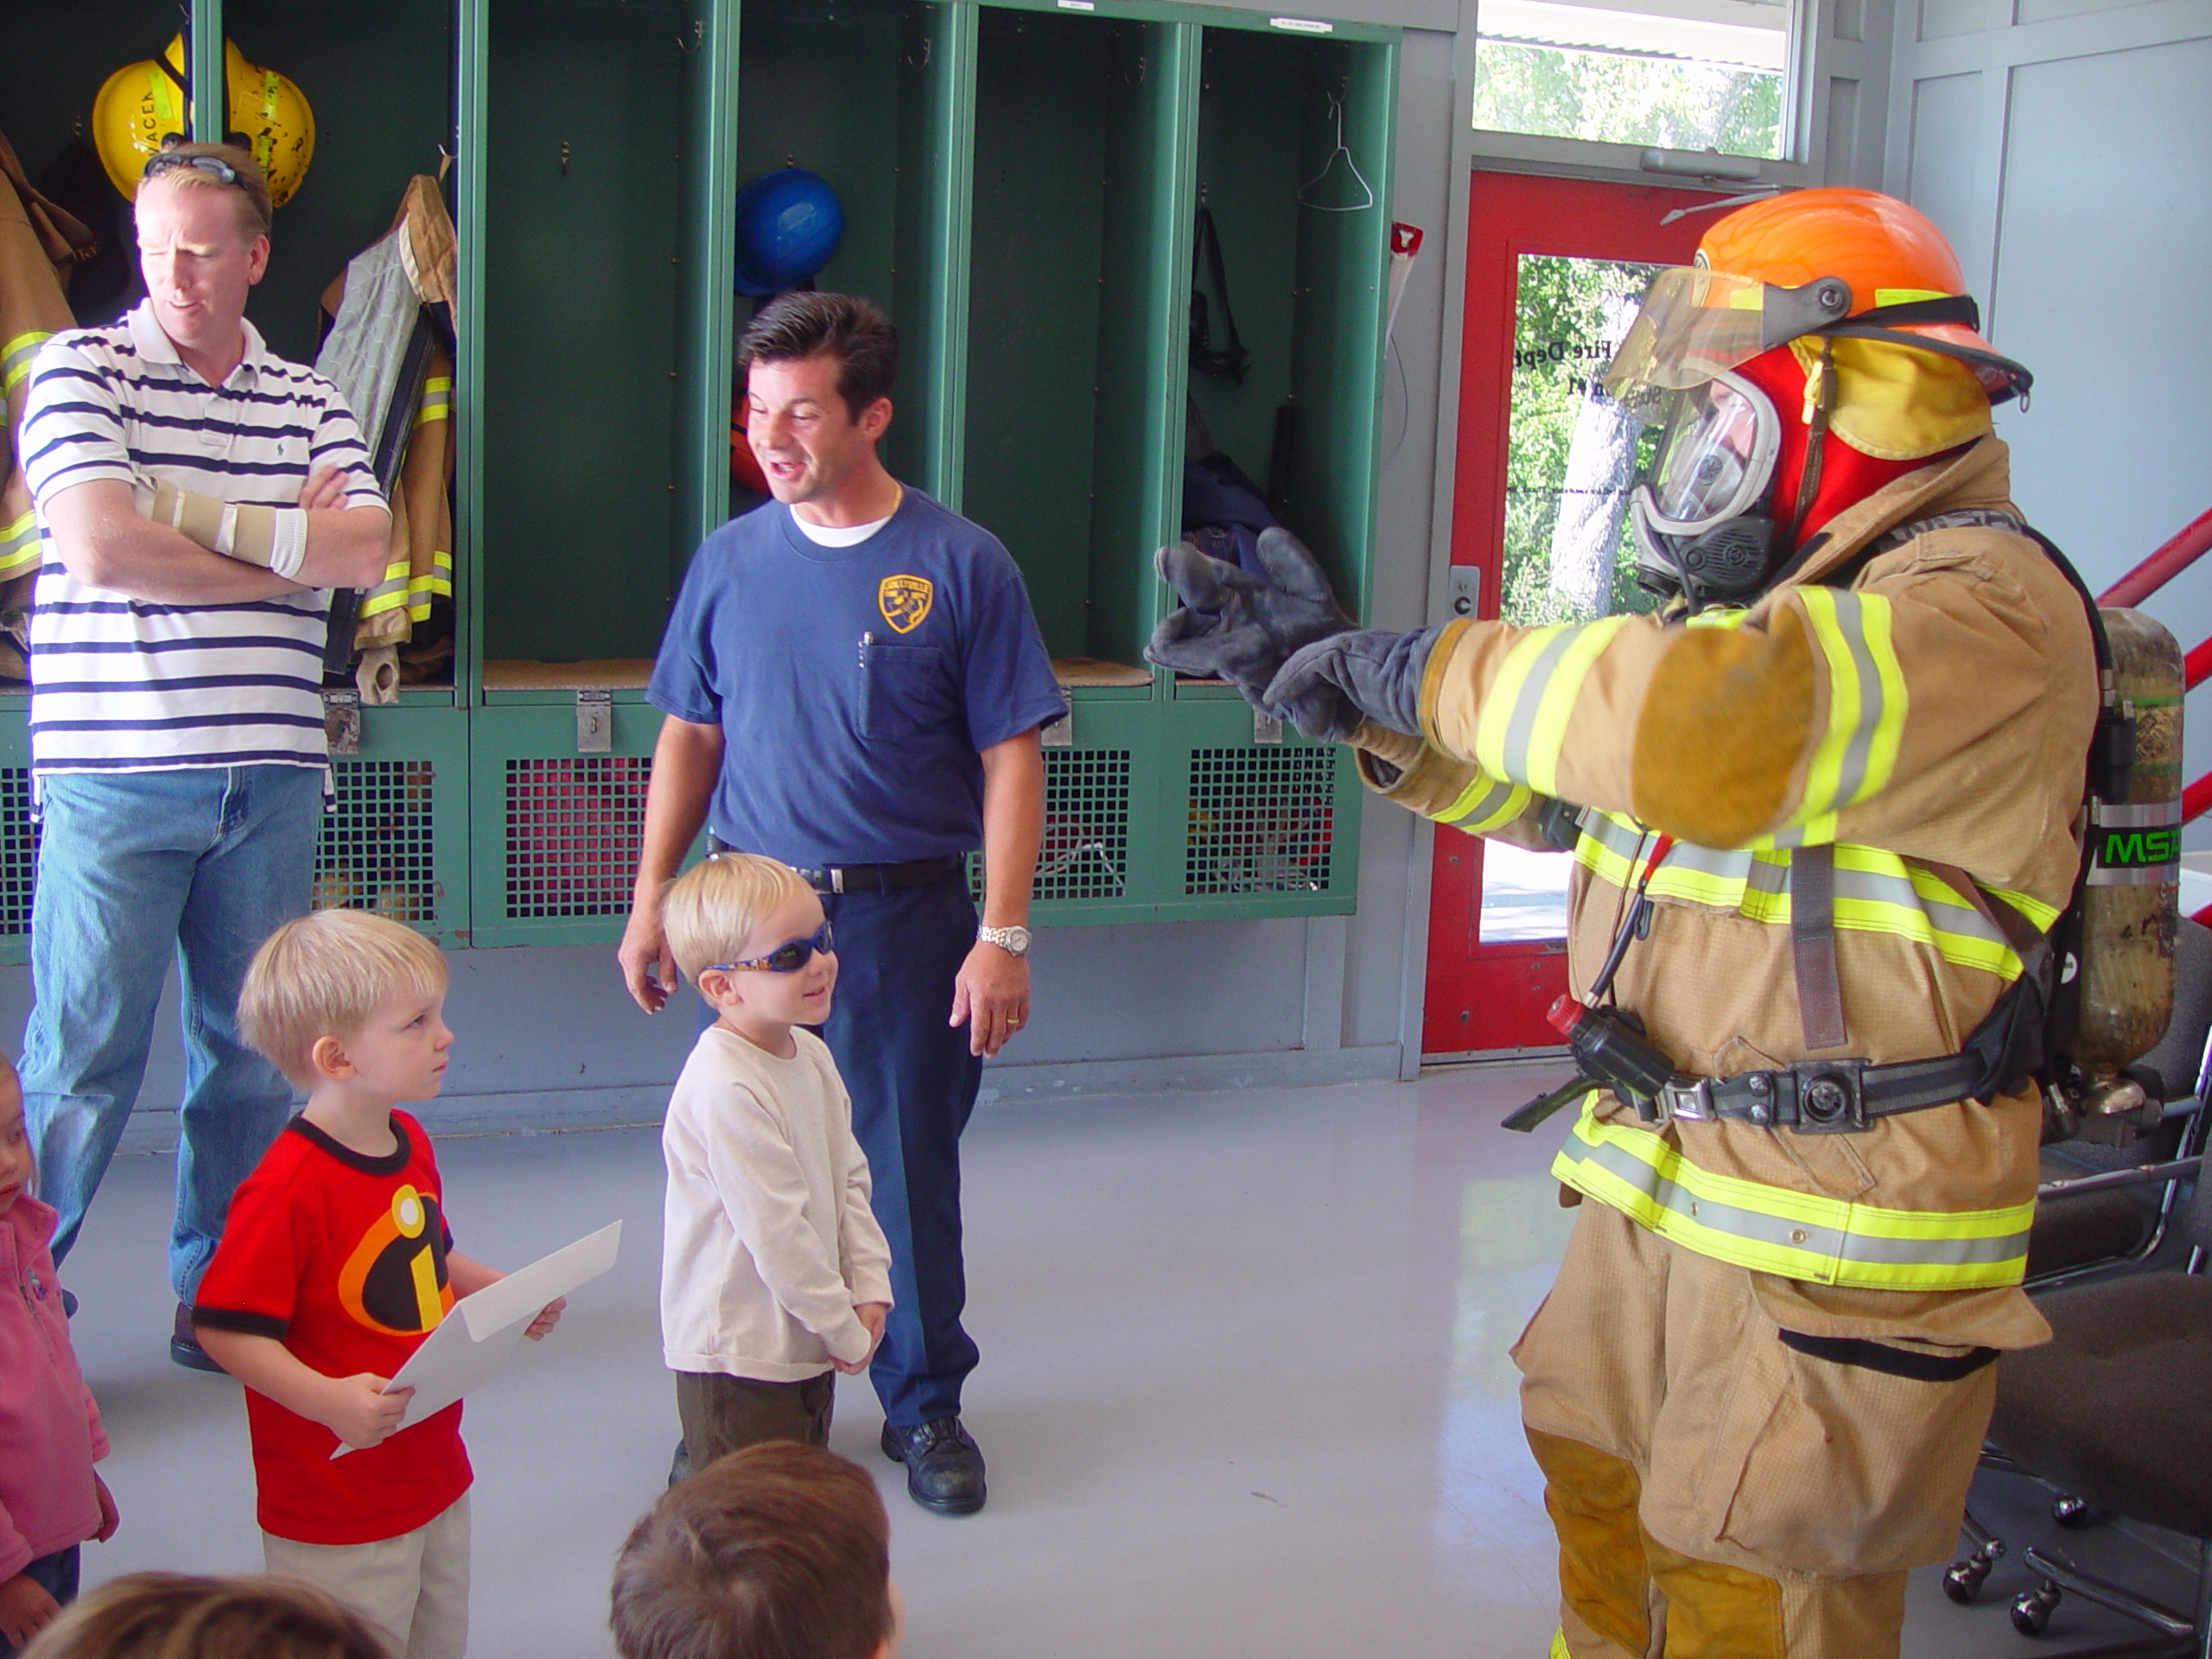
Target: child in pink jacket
<point>50,1434</point>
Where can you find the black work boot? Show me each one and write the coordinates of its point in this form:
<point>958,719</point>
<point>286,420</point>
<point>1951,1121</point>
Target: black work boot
<point>184,1344</point>
<point>945,1467</point>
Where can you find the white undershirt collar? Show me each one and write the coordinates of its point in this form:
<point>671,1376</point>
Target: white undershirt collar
<point>845,534</point>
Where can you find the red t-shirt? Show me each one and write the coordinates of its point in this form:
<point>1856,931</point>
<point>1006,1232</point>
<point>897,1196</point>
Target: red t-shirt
<point>342,1259</point>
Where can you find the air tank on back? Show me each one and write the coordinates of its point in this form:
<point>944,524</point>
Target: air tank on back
<point>2131,901</point>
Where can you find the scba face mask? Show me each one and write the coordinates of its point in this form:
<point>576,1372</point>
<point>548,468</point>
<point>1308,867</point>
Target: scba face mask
<point>1702,516</point>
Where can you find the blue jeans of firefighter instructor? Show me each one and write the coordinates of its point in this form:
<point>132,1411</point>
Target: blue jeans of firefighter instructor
<point>201,865</point>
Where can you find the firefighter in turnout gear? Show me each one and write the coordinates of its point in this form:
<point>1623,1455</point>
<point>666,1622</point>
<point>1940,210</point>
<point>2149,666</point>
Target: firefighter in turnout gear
<point>1823,806</point>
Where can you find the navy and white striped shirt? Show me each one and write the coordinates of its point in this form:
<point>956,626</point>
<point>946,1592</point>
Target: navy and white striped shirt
<point>120,684</point>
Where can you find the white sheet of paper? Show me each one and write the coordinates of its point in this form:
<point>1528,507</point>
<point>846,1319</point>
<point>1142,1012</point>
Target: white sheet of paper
<point>475,1338</point>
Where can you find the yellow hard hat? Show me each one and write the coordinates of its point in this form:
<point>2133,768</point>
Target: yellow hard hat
<point>142,103</point>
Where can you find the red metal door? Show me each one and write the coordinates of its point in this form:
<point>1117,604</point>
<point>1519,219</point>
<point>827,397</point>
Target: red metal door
<point>1552,263</point>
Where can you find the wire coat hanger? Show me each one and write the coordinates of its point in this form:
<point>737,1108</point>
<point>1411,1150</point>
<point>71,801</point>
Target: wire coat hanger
<point>1337,104</point>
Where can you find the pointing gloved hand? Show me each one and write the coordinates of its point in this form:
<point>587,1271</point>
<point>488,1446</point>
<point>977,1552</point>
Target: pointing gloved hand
<point>1328,687</point>
<point>1236,628</point>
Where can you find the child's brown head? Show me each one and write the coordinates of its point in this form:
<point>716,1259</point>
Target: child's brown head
<point>778,1551</point>
<point>177,1616</point>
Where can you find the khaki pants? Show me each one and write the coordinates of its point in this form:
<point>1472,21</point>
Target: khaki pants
<point>720,1414</point>
<point>414,1587</point>
<point>1716,1492</point>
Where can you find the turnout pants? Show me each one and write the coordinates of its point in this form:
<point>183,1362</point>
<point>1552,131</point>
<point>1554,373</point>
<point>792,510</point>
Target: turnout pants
<point>912,1083</point>
<point>1717,1492</point>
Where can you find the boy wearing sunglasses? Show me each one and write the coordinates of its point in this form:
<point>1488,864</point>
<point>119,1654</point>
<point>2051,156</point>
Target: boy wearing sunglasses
<point>774,1273</point>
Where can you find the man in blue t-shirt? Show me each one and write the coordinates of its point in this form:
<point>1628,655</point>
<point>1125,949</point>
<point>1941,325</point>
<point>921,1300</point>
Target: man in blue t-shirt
<point>853,683</point>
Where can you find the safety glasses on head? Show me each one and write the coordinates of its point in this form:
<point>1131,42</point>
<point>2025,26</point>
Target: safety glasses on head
<point>787,959</point>
<point>169,161</point>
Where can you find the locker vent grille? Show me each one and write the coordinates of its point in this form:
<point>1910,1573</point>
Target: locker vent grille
<point>1085,850</point>
<point>574,830</point>
<point>18,852</point>
<point>1260,820</point>
<point>374,851</point>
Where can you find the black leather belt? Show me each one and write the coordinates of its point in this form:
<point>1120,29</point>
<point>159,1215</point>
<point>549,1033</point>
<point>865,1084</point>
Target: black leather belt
<point>1824,1097</point>
<point>882,878</point>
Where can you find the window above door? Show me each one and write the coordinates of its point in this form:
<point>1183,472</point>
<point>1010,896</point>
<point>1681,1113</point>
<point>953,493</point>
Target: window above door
<point>1672,74</point>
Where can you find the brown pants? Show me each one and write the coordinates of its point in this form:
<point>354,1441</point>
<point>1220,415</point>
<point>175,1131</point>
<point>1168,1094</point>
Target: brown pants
<point>720,1413</point>
<point>1716,1492</point>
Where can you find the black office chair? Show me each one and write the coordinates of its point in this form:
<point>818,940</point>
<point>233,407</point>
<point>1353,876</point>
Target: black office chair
<point>2117,1410</point>
<point>2103,1209</point>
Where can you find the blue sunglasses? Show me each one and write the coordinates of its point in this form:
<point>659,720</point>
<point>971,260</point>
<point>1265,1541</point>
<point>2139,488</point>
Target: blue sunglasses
<point>785,958</point>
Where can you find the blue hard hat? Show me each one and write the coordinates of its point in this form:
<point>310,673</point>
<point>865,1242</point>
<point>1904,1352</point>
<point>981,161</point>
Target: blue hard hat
<point>789,223</point>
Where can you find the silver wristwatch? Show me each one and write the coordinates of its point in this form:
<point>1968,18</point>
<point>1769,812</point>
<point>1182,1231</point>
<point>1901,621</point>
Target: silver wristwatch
<point>1014,940</point>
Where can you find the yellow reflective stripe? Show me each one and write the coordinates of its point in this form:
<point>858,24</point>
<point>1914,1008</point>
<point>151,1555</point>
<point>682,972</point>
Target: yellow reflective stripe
<point>1559,1646</point>
<point>1724,617</point>
<point>387,594</point>
<point>2028,905</point>
<point>1484,804</point>
<point>16,357</point>
<point>1523,721</point>
<point>438,400</point>
<point>1907,296</point>
<point>423,588</point>
<point>1797,1234</point>
<point>19,546</point>
<point>1858,752</point>
<point>1876,892</point>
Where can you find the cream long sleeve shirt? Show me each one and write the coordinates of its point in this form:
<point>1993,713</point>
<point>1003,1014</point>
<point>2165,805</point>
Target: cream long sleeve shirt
<point>769,1242</point>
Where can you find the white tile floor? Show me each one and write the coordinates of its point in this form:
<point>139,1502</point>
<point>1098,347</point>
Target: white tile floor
<point>1244,1389</point>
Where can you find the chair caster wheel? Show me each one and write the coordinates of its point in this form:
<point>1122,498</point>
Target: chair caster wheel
<point>1962,1582</point>
<point>2074,1512</point>
<point>2032,1609</point>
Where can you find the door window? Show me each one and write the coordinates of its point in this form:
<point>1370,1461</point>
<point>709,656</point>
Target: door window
<point>1571,461</point>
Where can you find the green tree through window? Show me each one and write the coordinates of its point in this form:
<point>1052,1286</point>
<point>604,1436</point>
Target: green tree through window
<point>1570,458</point>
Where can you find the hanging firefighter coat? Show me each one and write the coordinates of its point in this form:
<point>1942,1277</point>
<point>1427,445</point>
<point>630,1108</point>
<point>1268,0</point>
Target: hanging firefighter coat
<point>38,244</point>
<point>415,261</point>
<point>1928,721</point>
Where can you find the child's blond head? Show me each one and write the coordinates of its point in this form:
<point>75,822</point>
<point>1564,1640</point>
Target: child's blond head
<point>323,975</point>
<point>711,910</point>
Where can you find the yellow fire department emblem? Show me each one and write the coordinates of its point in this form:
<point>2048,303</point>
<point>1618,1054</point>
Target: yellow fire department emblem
<point>905,601</point>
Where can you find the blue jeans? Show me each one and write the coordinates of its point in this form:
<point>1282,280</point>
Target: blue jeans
<point>204,862</point>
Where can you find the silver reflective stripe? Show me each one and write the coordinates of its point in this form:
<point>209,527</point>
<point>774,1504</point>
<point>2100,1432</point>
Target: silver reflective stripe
<point>1530,701</point>
<point>1851,775</point>
<point>1491,802</point>
<point>2142,875</point>
<point>2150,815</point>
<point>1780,1233</point>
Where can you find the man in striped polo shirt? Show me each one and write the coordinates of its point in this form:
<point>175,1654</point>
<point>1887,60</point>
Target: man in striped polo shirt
<point>197,497</point>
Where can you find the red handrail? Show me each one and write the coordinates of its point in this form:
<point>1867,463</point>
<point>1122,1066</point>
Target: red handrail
<point>2162,567</point>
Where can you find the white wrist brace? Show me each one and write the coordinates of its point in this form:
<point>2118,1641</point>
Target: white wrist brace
<point>274,537</point>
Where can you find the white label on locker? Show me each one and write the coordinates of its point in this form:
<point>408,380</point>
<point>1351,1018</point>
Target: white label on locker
<point>1078,5</point>
<point>1303,25</point>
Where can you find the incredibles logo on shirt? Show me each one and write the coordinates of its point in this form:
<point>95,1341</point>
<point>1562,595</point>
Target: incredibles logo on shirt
<point>395,1281</point>
<point>905,601</point>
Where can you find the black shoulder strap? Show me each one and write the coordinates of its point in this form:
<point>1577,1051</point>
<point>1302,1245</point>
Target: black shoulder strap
<point>1231,359</point>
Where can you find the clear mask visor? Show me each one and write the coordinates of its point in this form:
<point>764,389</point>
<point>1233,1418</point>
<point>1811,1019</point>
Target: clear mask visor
<point>1715,457</point>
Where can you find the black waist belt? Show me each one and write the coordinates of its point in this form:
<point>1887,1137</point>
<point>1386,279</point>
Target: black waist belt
<point>882,878</point>
<point>1816,1097</point>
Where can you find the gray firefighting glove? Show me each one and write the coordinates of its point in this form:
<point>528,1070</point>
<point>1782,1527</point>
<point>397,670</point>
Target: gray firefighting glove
<point>1236,628</point>
<point>1329,685</point>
